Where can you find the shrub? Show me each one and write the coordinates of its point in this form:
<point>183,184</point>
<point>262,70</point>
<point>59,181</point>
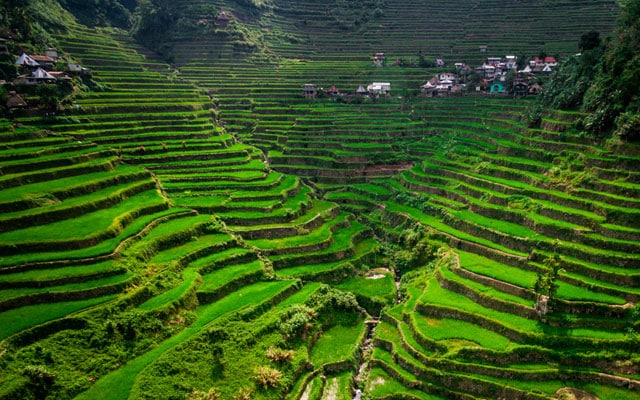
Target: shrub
<point>40,380</point>
<point>628,126</point>
<point>297,321</point>
<point>212,394</point>
<point>267,376</point>
<point>279,355</point>
<point>243,394</point>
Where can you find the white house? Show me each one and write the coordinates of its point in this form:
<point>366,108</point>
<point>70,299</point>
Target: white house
<point>378,88</point>
<point>447,77</point>
<point>26,60</point>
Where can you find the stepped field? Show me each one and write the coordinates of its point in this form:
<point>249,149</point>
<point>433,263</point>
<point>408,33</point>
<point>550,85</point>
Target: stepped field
<point>200,230</point>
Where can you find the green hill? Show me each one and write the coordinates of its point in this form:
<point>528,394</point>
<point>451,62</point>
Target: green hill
<point>198,229</point>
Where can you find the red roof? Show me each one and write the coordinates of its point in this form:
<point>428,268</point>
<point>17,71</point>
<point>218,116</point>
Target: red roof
<point>40,58</point>
<point>549,60</point>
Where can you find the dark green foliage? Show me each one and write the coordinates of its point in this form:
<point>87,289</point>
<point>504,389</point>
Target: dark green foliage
<point>16,17</point>
<point>589,41</point>
<point>571,80</point>
<point>297,321</point>
<point>40,380</point>
<point>153,22</point>
<point>49,97</point>
<point>605,81</point>
<point>616,88</point>
<point>546,283</point>
<point>329,299</point>
<point>350,15</point>
<point>533,116</point>
<point>101,12</point>
<point>414,250</point>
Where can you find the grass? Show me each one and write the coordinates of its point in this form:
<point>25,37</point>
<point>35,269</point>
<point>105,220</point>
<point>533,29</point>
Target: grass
<point>382,385</point>
<point>438,296</point>
<point>197,243</point>
<point>218,278</point>
<point>105,247</point>
<point>34,277</point>
<point>337,343</point>
<point>117,384</point>
<point>115,280</point>
<point>86,226</point>
<point>373,287</point>
<point>189,276</point>
<point>18,319</point>
<point>447,329</point>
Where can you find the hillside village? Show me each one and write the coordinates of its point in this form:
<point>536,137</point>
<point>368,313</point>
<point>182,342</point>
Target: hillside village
<point>34,72</point>
<point>496,76</point>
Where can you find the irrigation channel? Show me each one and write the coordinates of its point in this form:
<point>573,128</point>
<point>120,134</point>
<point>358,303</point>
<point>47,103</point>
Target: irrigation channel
<point>367,348</point>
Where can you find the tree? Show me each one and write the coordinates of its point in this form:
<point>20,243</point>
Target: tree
<point>16,16</point>
<point>589,41</point>
<point>546,284</point>
<point>571,80</point>
<point>616,88</point>
<point>153,22</point>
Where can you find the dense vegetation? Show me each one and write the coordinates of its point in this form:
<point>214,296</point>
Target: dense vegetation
<point>604,80</point>
<point>197,229</point>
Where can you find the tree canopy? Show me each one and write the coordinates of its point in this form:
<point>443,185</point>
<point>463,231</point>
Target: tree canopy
<point>604,79</point>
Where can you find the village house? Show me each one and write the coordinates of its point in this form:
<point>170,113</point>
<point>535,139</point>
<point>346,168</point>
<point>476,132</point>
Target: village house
<point>379,88</point>
<point>37,77</point>
<point>333,90</point>
<point>378,60</point>
<point>33,61</point>
<point>538,65</point>
<point>440,62</point>
<point>77,69</point>
<point>493,61</point>
<point>361,91</point>
<point>309,91</point>
<point>25,61</point>
<point>441,85</point>
<point>60,76</point>
<point>520,89</point>
<point>52,53</point>
<point>535,88</point>
<point>45,62</point>
<point>486,71</point>
<point>497,87</point>
<point>222,20</point>
<point>447,78</point>
<point>15,101</point>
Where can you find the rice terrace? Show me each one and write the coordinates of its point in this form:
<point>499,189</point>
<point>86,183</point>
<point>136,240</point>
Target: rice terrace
<point>319,200</point>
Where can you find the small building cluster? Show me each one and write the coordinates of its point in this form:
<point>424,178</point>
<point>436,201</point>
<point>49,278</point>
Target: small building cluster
<point>39,69</point>
<point>496,75</point>
<point>492,76</point>
<point>539,65</point>
<point>496,66</point>
<point>374,90</point>
<point>36,69</point>
<point>442,85</point>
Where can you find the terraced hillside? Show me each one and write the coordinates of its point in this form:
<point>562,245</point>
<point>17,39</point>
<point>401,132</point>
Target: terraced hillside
<point>256,66</point>
<point>205,232</point>
<point>137,220</point>
<point>530,218</point>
